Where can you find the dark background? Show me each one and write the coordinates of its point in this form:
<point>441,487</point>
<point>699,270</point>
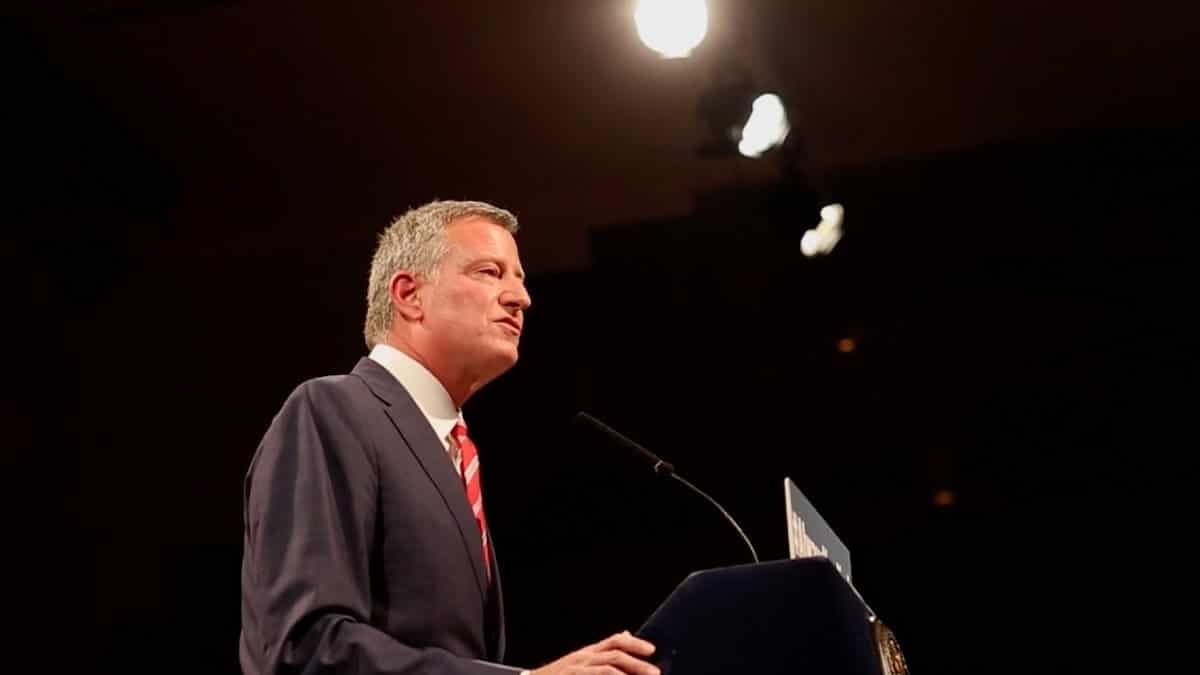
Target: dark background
<point>195,191</point>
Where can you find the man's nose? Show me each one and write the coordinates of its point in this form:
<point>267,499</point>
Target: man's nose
<point>517,296</point>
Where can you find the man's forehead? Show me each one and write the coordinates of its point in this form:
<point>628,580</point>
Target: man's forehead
<point>480,229</point>
<point>480,237</point>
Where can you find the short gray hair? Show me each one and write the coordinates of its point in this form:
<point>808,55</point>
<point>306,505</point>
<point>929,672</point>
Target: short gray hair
<point>416,242</point>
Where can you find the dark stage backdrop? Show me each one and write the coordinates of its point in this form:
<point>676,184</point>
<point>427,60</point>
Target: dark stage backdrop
<point>1017,312</point>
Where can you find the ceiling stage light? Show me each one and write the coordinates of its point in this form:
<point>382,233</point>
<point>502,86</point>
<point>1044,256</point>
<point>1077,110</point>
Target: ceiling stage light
<point>672,28</point>
<point>766,128</point>
<point>821,239</point>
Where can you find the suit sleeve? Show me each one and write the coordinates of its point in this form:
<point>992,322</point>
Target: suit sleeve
<point>310,518</point>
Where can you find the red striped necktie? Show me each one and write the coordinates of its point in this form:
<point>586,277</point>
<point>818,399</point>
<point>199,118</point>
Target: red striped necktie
<point>469,464</point>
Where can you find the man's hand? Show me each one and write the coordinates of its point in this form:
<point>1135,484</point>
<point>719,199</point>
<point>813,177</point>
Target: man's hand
<point>616,655</point>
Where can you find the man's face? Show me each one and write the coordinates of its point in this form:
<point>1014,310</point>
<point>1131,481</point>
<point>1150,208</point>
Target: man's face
<point>474,309</point>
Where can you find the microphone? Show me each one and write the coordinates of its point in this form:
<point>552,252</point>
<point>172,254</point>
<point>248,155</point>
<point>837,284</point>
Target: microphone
<point>660,467</point>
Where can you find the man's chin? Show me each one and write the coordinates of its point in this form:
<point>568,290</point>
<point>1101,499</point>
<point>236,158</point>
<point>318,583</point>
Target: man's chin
<point>505,356</point>
<point>512,355</point>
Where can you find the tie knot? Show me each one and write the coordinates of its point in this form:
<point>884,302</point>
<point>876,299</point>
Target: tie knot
<point>459,432</point>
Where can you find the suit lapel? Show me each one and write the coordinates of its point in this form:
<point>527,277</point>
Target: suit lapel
<point>414,429</point>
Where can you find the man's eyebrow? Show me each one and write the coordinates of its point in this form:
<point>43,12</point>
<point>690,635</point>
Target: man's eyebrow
<point>518,271</point>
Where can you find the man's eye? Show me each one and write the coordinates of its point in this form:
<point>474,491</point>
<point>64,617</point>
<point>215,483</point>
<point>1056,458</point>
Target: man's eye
<point>491,271</point>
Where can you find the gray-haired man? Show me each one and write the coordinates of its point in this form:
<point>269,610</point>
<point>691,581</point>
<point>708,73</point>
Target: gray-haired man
<point>366,546</point>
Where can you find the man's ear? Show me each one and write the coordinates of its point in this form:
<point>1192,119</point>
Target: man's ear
<point>406,300</point>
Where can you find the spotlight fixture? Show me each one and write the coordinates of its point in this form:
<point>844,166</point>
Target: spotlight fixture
<point>821,239</point>
<point>672,28</point>
<point>766,128</point>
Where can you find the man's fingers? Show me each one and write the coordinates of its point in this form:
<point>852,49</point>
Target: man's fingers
<point>615,655</point>
<point>628,664</point>
<point>627,643</point>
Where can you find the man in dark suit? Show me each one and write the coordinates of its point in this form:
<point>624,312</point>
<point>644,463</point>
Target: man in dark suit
<point>366,546</point>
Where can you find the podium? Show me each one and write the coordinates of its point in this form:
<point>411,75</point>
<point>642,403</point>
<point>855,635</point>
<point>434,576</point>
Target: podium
<point>788,616</point>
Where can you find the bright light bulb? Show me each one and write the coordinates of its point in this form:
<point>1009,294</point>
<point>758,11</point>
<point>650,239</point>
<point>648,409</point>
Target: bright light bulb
<point>821,239</point>
<point>672,28</point>
<point>833,214</point>
<point>766,128</point>
<point>810,243</point>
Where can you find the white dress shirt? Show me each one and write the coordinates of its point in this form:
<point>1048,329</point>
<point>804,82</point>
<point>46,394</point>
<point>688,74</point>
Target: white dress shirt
<point>431,397</point>
<point>428,393</point>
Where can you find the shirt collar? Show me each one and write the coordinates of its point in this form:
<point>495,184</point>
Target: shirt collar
<point>427,392</point>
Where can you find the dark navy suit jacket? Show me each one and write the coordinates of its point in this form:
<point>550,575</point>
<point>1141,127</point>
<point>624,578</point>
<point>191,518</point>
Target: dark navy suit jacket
<point>361,554</point>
